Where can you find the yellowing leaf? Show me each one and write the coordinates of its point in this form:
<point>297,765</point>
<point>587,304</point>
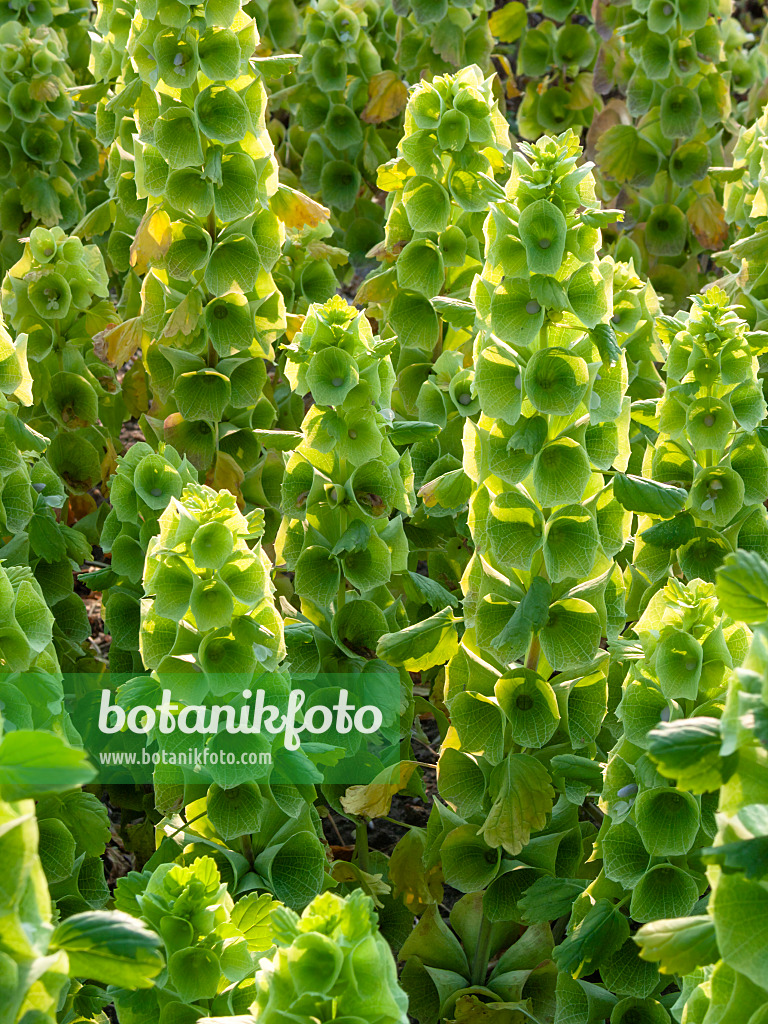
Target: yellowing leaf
<point>507,24</point>
<point>109,462</point>
<point>226,475</point>
<point>707,220</point>
<point>23,392</point>
<point>377,288</point>
<point>387,97</point>
<point>331,254</point>
<point>185,318</point>
<point>152,240</point>
<point>44,89</point>
<point>296,210</point>
<point>117,343</point>
<point>136,390</point>
<point>295,322</point>
<point>375,799</point>
<point>344,871</point>
<point>391,175</point>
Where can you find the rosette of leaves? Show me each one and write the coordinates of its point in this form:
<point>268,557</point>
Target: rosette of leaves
<point>656,149</point>
<point>439,36</point>
<point>144,484</point>
<point>211,944</point>
<point>345,99</point>
<point>712,950</point>
<point>209,591</point>
<point>345,491</point>
<point>555,59</point>
<point>705,476</point>
<point>447,974</point>
<point>203,161</point>
<point>47,152</point>
<point>332,960</point>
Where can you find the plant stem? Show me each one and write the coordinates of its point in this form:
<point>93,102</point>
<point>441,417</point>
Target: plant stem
<point>532,660</point>
<point>361,845</point>
<point>482,953</point>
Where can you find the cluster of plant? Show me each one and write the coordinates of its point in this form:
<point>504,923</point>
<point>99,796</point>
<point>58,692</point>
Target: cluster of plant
<point>513,493</point>
<point>684,70</point>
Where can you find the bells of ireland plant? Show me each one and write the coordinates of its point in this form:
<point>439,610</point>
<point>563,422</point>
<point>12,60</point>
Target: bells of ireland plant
<point>555,46</point>
<point>744,190</point>
<point>46,154</point>
<point>57,297</point>
<point>659,798</point>
<point>673,63</point>
<point>143,485</point>
<point>542,590</point>
<point>345,491</point>
<point>34,849</point>
<point>706,475</point>
<point>449,166</point>
<point>716,952</point>
<point>210,592</point>
<point>211,943</point>
<point>440,37</point>
<point>440,185</point>
<point>330,962</point>
<point>345,100</point>
<point>203,163</point>
<point>551,381</point>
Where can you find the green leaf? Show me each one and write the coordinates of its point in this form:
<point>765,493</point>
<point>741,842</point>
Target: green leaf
<point>428,591</point>
<point>667,820</point>
<point>529,616</point>
<point>624,155</point>
<point>664,890</point>
<point>679,946</point>
<point>601,932</point>
<point>40,762</point>
<point>110,947</point>
<point>739,907</point>
<point>431,642</point>
<point>252,916</point>
<point>447,494</point>
<point>549,898</point>
<point>671,533</point>
<point>688,751</point>
<point>522,796</point>
<point>571,636</point>
<point>742,587</point>
<point>276,65</point>
<point>647,496</point>
<point>194,973</point>
<point>435,944</point>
